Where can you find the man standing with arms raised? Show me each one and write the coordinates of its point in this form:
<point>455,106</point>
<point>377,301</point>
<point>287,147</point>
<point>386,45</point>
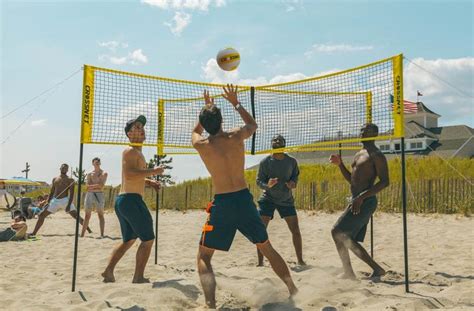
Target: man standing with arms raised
<point>233,208</point>
<point>133,214</point>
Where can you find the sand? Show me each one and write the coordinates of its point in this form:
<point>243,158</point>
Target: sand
<point>36,275</point>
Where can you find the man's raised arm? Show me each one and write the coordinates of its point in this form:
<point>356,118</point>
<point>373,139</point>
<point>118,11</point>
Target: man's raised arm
<point>230,93</point>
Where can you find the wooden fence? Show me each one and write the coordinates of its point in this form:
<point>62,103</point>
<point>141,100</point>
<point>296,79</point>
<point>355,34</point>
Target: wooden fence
<point>445,196</point>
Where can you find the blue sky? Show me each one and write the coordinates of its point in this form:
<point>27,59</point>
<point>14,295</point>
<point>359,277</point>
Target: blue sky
<point>44,42</point>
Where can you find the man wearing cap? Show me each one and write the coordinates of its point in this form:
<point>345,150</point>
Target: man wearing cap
<point>233,208</point>
<point>277,177</point>
<point>133,214</point>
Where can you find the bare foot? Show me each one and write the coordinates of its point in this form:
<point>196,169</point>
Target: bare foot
<point>378,273</point>
<point>293,291</point>
<point>108,277</point>
<point>260,264</point>
<point>141,280</point>
<point>82,235</point>
<point>301,263</point>
<point>211,304</point>
<point>347,276</point>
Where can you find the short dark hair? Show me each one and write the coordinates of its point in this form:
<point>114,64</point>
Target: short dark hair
<point>64,164</point>
<point>95,159</point>
<point>372,127</point>
<point>211,119</point>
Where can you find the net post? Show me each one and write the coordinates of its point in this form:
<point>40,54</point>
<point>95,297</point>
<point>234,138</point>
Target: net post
<point>78,209</point>
<point>159,151</point>
<point>157,207</point>
<point>372,237</point>
<point>404,208</point>
<point>252,103</point>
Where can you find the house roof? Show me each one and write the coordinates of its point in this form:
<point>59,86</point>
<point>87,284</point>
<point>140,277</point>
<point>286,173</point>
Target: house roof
<point>423,108</point>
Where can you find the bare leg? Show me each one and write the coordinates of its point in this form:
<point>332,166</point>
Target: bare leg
<point>117,254</point>
<point>206,275</point>
<point>87,217</point>
<point>74,215</point>
<point>40,221</point>
<point>278,265</point>
<point>100,213</point>
<point>266,221</point>
<point>292,222</point>
<point>143,253</point>
<point>360,252</point>
<point>342,248</point>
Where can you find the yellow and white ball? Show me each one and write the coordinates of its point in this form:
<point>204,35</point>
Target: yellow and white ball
<point>228,59</point>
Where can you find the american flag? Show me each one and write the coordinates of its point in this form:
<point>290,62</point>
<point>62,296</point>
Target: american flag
<point>408,106</point>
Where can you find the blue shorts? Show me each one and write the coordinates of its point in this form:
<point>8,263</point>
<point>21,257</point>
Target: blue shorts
<point>228,213</point>
<point>267,208</point>
<point>134,217</point>
<point>355,226</point>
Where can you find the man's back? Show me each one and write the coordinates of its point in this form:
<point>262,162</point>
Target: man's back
<point>224,157</point>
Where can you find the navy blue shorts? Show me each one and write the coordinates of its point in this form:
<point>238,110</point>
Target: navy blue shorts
<point>267,208</point>
<point>231,212</point>
<point>134,217</point>
<point>355,226</point>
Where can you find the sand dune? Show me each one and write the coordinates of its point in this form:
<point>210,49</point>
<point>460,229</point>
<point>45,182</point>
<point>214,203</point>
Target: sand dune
<point>36,275</point>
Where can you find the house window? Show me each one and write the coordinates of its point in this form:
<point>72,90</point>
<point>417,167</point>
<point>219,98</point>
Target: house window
<point>384,147</point>
<point>397,147</point>
<point>416,145</point>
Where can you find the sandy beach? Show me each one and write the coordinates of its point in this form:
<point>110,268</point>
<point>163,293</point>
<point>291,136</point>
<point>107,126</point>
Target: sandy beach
<point>36,275</point>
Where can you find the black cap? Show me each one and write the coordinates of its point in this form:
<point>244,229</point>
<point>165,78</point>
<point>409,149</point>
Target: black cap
<point>130,123</point>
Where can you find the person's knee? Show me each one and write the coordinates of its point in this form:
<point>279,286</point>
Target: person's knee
<point>336,234</point>
<point>88,215</point>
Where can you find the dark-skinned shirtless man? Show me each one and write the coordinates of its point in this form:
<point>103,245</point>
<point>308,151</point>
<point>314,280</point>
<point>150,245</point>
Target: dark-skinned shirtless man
<point>349,231</point>
<point>60,197</point>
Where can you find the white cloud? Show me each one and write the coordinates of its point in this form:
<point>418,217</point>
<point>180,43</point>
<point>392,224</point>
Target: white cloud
<point>454,104</point>
<point>137,57</point>
<point>113,45</point>
<point>181,20</point>
<point>40,122</point>
<point>334,48</point>
<point>290,5</point>
<point>202,5</point>
<point>212,73</point>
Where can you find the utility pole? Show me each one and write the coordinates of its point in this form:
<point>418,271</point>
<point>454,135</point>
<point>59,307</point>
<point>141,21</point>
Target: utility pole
<point>26,170</point>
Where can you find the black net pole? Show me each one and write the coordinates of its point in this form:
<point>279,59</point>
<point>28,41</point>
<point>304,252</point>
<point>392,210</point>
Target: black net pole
<point>252,104</point>
<point>157,207</point>
<point>404,208</point>
<point>78,209</point>
<point>371,236</point>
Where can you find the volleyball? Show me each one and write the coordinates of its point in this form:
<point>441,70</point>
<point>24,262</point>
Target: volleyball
<point>228,59</point>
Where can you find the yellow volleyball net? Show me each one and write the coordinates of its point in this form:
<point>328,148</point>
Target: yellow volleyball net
<point>320,113</point>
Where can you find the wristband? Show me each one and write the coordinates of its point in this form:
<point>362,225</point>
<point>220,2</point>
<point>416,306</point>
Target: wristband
<point>236,107</point>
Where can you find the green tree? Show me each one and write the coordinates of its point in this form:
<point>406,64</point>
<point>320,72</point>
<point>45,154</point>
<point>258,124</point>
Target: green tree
<point>161,160</point>
<point>75,173</point>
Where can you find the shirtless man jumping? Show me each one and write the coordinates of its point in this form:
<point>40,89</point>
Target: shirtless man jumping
<point>133,214</point>
<point>232,208</point>
<point>369,163</point>
<point>60,197</point>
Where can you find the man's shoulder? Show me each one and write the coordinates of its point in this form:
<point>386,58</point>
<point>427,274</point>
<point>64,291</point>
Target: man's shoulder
<point>290,158</point>
<point>266,159</point>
